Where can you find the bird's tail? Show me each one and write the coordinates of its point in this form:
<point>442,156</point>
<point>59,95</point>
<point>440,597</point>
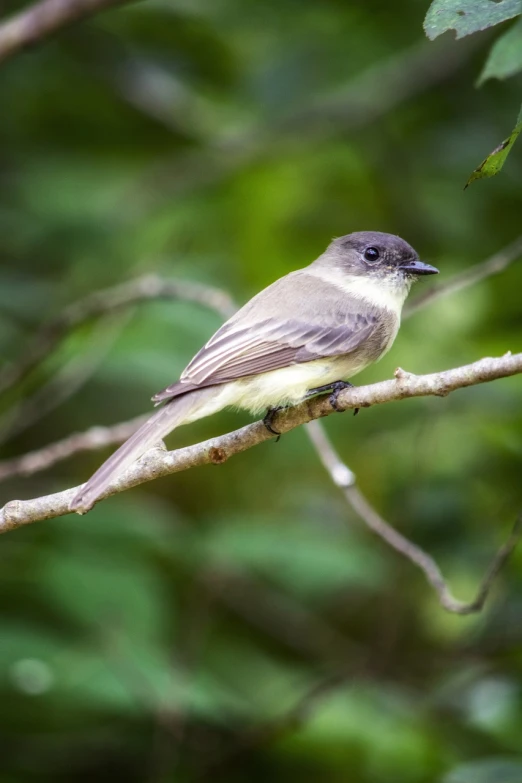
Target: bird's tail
<point>180,410</point>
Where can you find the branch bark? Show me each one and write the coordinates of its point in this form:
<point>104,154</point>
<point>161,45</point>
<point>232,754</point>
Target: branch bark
<point>93,438</point>
<point>343,477</point>
<point>43,19</point>
<point>158,462</point>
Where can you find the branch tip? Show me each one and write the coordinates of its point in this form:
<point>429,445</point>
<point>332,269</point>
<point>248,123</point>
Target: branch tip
<point>403,375</point>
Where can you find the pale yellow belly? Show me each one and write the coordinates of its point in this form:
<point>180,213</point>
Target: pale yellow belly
<point>289,385</point>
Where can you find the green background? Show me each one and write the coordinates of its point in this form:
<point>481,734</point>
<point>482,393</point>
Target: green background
<point>173,633</point>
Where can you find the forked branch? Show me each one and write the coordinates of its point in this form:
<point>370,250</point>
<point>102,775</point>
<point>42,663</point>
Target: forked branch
<point>343,477</point>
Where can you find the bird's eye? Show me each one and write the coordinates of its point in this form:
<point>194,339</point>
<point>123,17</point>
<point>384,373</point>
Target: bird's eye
<point>371,254</point>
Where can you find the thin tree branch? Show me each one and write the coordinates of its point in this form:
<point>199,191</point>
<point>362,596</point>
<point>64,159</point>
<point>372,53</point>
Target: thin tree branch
<point>157,462</point>
<point>492,266</point>
<point>92,439</point>
<point>39,21</point>
<point>148,287</point>
<point>343,477</point>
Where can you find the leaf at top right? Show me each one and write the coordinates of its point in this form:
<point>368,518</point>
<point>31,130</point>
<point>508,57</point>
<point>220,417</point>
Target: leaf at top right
<point>505,57</point>
<point>468,16</point>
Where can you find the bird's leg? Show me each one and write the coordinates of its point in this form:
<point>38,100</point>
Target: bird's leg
<point>269,419</point>
<point>334,388</point>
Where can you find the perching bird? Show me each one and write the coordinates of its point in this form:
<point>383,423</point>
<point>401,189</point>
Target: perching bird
<point>307,332</point>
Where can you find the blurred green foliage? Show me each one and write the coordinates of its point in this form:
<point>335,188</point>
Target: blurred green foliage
<point>505,58</point>
<point>173,634</point>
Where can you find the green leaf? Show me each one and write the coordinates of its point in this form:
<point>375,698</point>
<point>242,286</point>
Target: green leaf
<point>505,57</point>
<point>467,16</point>
<point>496,159</point>
<point>499,770</point>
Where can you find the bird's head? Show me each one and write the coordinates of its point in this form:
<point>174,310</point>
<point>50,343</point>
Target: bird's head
<point>379,256</point>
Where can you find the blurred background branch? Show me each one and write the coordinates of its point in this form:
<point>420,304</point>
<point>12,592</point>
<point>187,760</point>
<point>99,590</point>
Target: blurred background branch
<point>94,438</point>
<point>67,380</point>
<point>492,266</point>
<point>41,20</point>
<point>146,288</point>
<point>343,477</point>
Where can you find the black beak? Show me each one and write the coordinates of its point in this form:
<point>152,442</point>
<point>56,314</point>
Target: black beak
<point>419,268</point>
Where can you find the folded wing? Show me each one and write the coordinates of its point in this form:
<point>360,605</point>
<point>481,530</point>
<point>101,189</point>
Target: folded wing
<point>234,352</point>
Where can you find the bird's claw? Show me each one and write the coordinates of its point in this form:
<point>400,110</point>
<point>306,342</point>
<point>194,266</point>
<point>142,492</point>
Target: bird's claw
<point>269,420</point>
<point>335,389</point>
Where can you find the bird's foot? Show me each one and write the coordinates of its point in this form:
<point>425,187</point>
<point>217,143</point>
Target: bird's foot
<point>335,389</point>
<point>269,420</point>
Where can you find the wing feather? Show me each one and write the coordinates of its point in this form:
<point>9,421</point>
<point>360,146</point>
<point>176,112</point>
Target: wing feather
<point>270,345</point>
<point>299,318</point>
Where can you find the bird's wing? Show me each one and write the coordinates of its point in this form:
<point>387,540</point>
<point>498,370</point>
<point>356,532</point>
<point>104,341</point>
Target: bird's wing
<point>234,352</point>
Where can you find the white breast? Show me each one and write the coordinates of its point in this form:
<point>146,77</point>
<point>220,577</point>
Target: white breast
<point>389,292</point>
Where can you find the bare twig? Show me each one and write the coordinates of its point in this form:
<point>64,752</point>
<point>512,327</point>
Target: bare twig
<point>492,266</point>
<point>148,287</point>
<point>39,21</point>
<point>91,439</point>
<point>157,462</point>
<point>343,477</point>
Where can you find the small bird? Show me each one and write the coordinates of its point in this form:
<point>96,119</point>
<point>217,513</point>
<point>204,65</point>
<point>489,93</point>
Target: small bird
<point>305,334</point>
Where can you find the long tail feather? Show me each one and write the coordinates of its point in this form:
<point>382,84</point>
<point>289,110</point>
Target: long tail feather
<point>172,415</point>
